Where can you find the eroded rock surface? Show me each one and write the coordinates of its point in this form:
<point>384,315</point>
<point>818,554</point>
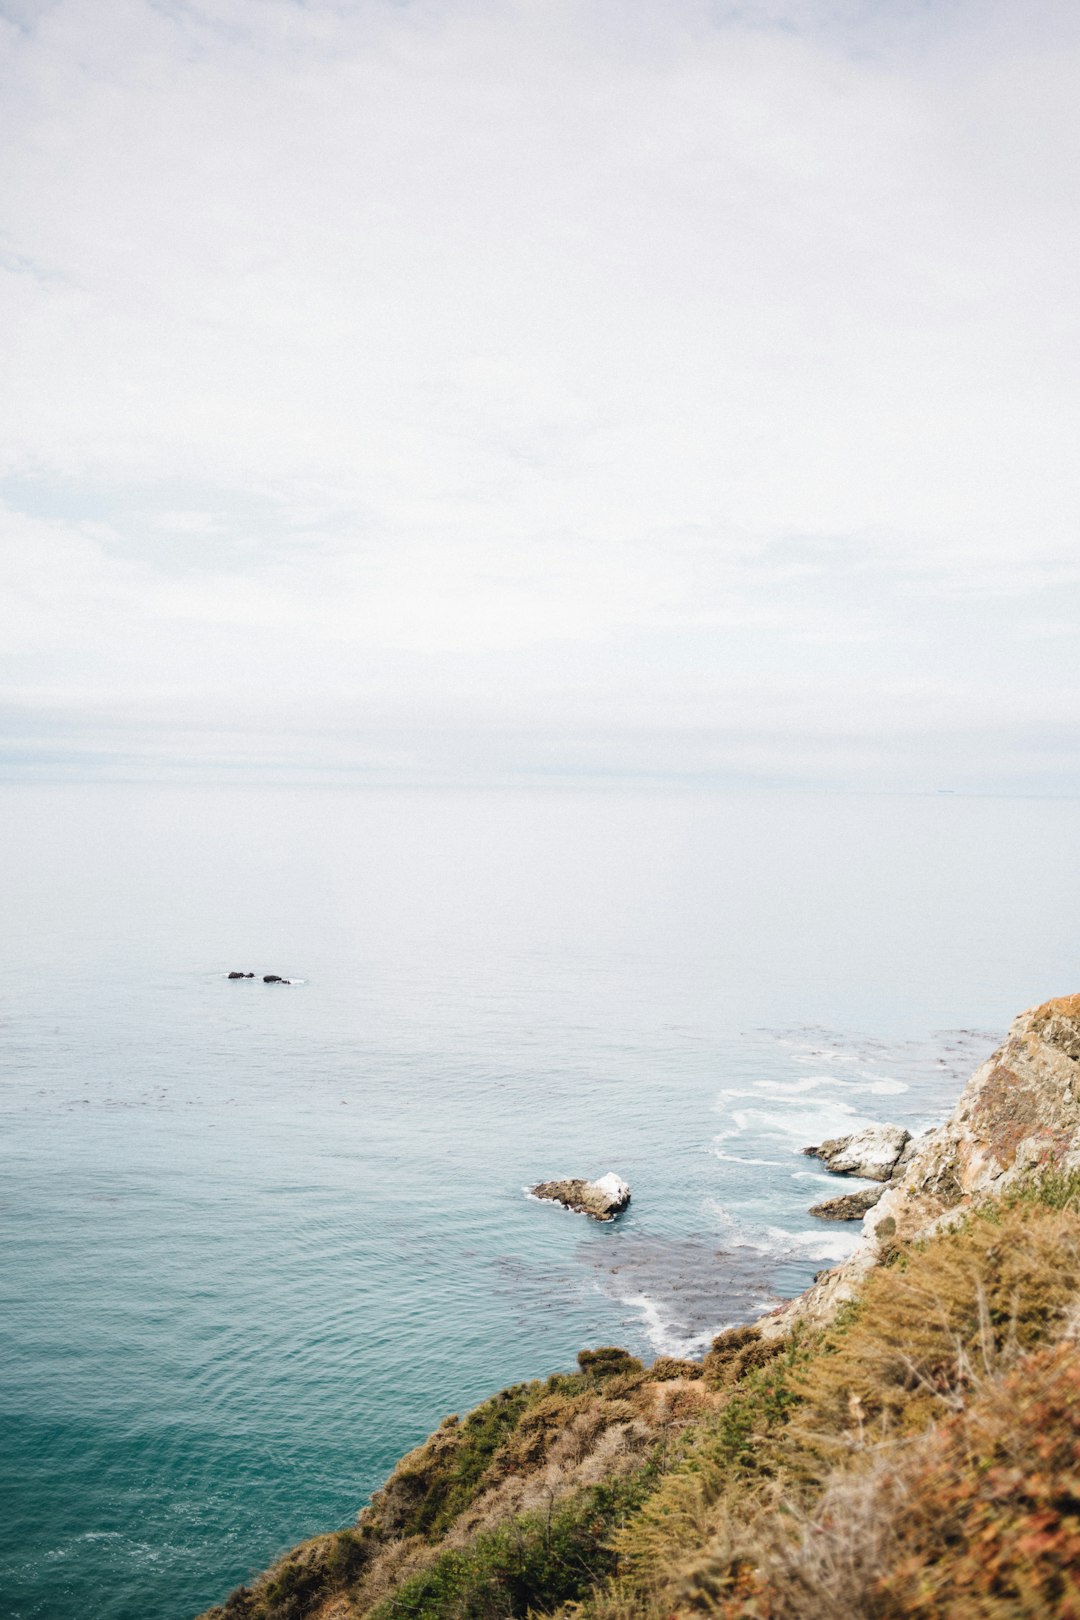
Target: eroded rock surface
<point>874,1152</point>
<point>849,1207</point>
<point>1018,1116</point>
<point>602,1199</point>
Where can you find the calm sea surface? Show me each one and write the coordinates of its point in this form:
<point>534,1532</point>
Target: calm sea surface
<point>260,1239</point>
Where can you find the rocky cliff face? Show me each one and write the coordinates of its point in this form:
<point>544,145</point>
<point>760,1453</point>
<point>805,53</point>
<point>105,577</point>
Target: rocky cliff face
<point>1018,1113</point>
<point>878,1461</point>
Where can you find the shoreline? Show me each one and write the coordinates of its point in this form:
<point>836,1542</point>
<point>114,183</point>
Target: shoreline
<point>1003,1154</point>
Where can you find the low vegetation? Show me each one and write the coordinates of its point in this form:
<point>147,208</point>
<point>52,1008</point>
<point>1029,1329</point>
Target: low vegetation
<point>920,1457</point>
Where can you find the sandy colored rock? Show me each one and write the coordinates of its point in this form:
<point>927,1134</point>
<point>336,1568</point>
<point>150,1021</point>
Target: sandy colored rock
<point>602,1199</point>
<point>873,1152</point>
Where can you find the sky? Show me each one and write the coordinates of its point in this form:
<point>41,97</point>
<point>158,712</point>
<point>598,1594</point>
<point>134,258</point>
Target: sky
<point>541,390</point>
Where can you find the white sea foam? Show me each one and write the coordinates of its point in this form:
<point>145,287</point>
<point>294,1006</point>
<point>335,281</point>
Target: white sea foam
<point>830,1117</point>
<point>662,1336</point>
<point>874,1085</point>
<point>551,1203</point>
<point>740,1158</point>
<point>833,1244</point>
<point>739,1234</point>
<point>776,1091</point>
<point>789,1088</point>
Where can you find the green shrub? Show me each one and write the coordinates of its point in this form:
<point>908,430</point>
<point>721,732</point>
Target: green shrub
<point>665,1368</point>
<point>1056,1189</point>
<point>531,1565</point>
<point>736,1352</point>
<point>607,1362</point>
<point>292,1591</point>
<point>431,1487</point>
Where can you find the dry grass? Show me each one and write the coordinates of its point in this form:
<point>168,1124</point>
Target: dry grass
<point>978,1519</point>
<point>919,1459</point>
<point>927,1328</point>
<point>791,1499</point>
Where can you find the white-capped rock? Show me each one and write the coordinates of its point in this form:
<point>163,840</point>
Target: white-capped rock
<point>602,1199</point>
<point>873,1152</point>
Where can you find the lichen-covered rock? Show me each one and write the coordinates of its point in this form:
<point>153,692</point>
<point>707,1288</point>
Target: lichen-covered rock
<point>1018,1115</point>
<point>850,1207</point>
<point>873,1152</point>
<point>602,1199</point>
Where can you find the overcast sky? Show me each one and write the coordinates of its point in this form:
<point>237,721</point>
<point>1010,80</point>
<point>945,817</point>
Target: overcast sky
<point>529,389</point>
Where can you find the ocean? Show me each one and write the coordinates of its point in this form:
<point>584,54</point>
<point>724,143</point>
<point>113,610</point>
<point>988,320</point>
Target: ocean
<point>260,1238</point>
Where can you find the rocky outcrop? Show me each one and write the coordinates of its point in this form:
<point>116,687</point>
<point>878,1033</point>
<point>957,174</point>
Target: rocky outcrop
<point>874,1152</point>
<point>849,1207</point>
<point>241,975</point>
<point>602,1199</point>
<point>925,1445</point>
<point>1018,1116</point>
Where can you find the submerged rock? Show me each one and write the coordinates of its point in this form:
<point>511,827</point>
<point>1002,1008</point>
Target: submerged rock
<point>241,975</point>
<point>602,1199</point>
<point>275,978</point>
<point>849,1207</point>
<point>873,1153</point>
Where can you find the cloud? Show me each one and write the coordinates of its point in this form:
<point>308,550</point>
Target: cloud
<point>626,386</point>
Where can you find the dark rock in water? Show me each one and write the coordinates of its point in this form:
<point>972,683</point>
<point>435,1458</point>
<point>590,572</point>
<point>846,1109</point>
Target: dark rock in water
<point>274,978</point>
<point>241,975</point>
<point>851,1207</point>
<point>874,1152</point>
<point>602,1199</point>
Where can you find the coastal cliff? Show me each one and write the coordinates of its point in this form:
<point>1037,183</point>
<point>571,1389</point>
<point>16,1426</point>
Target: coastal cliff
<point>901,1440</point>
<point>1018,1116</point>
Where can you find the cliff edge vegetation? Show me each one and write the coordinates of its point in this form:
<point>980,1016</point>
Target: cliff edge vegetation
<point>902,1440</point>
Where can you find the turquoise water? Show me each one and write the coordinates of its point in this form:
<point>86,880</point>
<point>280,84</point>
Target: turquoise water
<point>260,1239</point>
